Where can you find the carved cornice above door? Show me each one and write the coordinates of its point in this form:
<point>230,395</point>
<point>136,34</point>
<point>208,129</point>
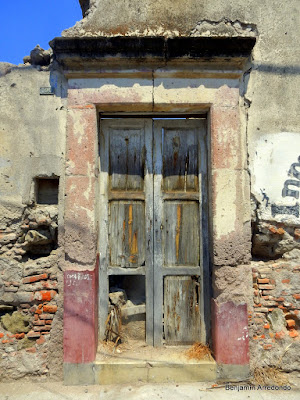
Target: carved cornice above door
<point>90,55</point>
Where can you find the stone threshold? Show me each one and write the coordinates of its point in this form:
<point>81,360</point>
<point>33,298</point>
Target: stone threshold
<point>139,371</point>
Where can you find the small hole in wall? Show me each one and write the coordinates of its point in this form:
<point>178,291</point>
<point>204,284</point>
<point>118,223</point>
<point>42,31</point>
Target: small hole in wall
<point>47,190</point>
<point>7,309</point>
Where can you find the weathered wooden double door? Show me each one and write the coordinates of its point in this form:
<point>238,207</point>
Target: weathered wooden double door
<point>152,183</point>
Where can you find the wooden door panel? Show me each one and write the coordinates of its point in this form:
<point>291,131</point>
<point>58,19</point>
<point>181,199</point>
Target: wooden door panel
<point>180,159</point>
<point>126,158</point>
<point>127,234</point>
<point>181,233</point>
<point>182,310</point>
<point>125,209</point>
<point>152,174</point>
<point>179,177</point>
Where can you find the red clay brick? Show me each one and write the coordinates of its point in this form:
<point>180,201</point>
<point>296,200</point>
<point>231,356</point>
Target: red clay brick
<point>45,295</point>
<point>296,296</point>
<point>267,326</point>
<point>282,308</point>
<point>35,278</point>
<point>5,341</point>
<point>267,287</point>
<point>38,311</point>
<point>291,323</point>
<point>293,333</point>
<point>19,336</point>
<point>48,321</point>
<point>274,230</point>
<point>46,328</point>
<point>267,346</point>
<point>38,323</point>
<point>41,340</point>
<point>286,281</point>
<point>46,316</point>
<point>42,328</point>
<point>33,334</point>
<point>264,280</point>
<point>280,299</point>
<point>25,305</point>
<point>1,335</point>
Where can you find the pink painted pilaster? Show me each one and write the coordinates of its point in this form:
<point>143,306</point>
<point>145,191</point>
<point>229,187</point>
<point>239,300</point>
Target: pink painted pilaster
<point>230,333</point>
<point>80,316</point>
<point>81,267</point>
<point>226,138</point>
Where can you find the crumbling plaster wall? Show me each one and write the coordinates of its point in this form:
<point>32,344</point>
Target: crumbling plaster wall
<point>32,143</point>
<point>269,104</point>
<point>32,131</point>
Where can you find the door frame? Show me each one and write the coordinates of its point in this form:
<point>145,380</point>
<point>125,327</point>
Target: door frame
<point>154,336</point>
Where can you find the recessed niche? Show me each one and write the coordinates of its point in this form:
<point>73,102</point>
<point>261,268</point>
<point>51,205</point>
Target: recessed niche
<point>47,190</point>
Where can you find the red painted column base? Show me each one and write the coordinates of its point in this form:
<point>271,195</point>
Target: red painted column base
<point>80,316</point>
<point>230,333</point>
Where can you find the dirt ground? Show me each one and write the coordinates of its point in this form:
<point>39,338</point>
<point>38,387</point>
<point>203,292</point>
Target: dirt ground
<point>57,391</point>
<point>138,350</point>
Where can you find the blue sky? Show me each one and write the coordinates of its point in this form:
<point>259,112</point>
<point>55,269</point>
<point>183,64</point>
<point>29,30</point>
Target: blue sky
<point>26,23</point>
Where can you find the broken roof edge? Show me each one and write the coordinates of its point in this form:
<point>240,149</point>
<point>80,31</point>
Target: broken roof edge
<point>75,53</point>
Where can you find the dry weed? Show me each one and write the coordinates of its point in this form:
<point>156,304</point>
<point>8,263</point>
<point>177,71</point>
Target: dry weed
<point>269,376</point>
<point>199,351</point>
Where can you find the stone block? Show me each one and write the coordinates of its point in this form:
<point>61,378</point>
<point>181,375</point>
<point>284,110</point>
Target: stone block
<point>228,146</point>
<point>80,239</point>
<point>133,91</point>
<point>231,222</point>
<point>198,90</point>
<point>81,141</point>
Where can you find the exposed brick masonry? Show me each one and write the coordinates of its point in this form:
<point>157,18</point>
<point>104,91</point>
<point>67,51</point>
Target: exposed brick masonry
<point>29,293</point>
<point>276,289</point>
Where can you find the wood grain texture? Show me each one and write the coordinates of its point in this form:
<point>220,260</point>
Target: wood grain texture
<point>181,309</point>
<point>181,233</point>
<point>180,159</point>
<point>179,164</point>
<point>126,157</point>
<point>127,234</point>
<point>152,190</point>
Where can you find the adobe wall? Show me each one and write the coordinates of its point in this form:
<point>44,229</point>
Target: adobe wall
<point>269,115</point>
<point>33,133</point>
<point>32,130</point>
